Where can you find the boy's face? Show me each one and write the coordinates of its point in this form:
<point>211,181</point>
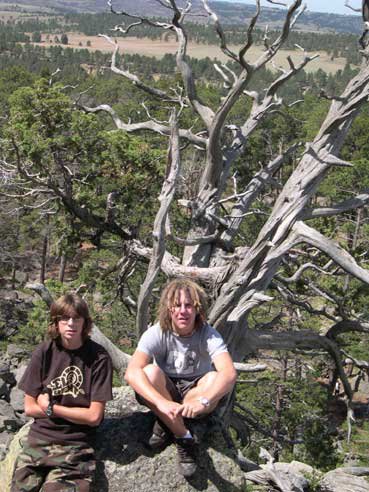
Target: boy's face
<point>70,328</point>
<point>183,314</point>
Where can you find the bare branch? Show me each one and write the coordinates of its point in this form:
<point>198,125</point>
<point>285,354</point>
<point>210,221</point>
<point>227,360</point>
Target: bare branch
<point>172,267</point>
<point>345,206</point>
<point>249,40</point>
<point>220,32</point>
<point>291,18</point>
<point>347,4</point>
<point>133,78</point>
<point>331,249</point>
<point>146,125</point>
<point>293,299</point>
<point>361,364</point>
<point>346,326</point>
<point>158,251</point>
<point>247,197</point>
<point>297,275</point>
<point>249,367</point>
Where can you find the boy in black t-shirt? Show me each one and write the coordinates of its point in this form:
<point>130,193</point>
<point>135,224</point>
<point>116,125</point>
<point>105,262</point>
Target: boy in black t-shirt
<point>66,385</point>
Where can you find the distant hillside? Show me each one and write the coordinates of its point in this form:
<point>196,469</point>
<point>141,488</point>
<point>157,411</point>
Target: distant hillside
<point>229,12</point>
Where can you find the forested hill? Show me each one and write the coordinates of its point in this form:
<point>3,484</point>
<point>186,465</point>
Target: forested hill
<point>231,12</point>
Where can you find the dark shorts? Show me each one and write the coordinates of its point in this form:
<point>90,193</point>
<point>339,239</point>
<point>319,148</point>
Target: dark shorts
<point>54,467</point>
<point>177,387</point>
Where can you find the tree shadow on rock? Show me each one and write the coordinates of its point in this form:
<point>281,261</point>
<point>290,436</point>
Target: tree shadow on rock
<point>100,483</point>
<point>123,440</point>
<point>120,441</point>
<point>206,473</point>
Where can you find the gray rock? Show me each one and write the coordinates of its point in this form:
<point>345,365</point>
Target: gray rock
<point>21,277</point>
<point>17,395</point>
<point>4,391</point>
<point>6,409</point>
<point>4,369</point>
<point>5,440</point>
<point>285,476</point>
<point>16,398</point>
<point>18,373</point>
<point>7,466</point>
<point>338,481</point>
<point>13,312</point>
<point>7,375</point>
<point>15,352</point>
<point>126,464</point>
<point>8,419</point>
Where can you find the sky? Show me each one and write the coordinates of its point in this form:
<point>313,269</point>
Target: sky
<point>334,6</point>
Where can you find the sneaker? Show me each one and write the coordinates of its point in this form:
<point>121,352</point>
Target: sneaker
<point>186,456</point>
<point>160,436</point>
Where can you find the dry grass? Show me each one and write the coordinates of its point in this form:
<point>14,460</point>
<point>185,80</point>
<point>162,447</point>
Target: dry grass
<point>158,48</point>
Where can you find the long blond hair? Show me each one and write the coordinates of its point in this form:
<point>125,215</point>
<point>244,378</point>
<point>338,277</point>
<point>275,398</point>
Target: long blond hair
<point>66,306</point>
<point>170,297</point>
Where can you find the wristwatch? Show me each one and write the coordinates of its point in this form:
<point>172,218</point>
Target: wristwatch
<point>49,410</point>
<point>204,401</point>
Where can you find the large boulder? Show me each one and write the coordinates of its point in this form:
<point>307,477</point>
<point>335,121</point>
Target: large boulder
<point>13,312</point>
<point>126,464</point>
<point>340,481</point>
<point>16,395</point>
<point>7,465</point>
<point>8,419</point>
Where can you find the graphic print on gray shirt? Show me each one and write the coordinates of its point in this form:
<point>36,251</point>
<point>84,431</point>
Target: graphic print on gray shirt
<point>187,357</point>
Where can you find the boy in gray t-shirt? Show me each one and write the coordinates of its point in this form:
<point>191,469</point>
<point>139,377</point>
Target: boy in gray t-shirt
<point>180,369</point>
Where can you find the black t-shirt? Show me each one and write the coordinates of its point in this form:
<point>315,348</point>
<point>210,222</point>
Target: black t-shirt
<point>73,378</point>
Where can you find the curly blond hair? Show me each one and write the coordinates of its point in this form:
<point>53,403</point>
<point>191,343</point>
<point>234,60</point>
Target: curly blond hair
<point>170,297</point>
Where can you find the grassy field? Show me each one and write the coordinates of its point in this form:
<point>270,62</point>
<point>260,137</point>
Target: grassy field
<point>158,48</point>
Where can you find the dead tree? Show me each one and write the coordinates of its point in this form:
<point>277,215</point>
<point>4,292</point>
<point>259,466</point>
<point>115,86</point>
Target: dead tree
<point>241,278</point>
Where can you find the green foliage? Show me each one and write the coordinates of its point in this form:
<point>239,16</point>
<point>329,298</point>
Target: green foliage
<point>36,37</point>
<point>314,481</point>
<point>358,446</point>
<point>51,135</point>
<point>303,417</point>
<point>319,443</point>
<point>34,331</point>
<point>64,39</point>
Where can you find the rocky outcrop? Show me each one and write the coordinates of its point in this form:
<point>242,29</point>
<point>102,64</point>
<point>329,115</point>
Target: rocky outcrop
<point>286,476</point>
<point>14,310</point>
<point>341,481</point>
<point>12,367</point>
<point>126,464</point>
<point>7,465</point>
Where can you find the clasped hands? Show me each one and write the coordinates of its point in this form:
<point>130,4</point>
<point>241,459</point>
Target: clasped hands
<point>43,401</point>
<point>189,409</point>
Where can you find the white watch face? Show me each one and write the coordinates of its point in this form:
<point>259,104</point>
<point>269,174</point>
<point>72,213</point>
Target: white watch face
<point>204,401</point>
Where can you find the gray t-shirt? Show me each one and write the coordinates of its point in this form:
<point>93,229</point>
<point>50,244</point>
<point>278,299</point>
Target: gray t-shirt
<point>182,357</point>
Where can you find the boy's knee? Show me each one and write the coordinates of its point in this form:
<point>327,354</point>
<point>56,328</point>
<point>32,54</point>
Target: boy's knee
<point>154,373</point>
